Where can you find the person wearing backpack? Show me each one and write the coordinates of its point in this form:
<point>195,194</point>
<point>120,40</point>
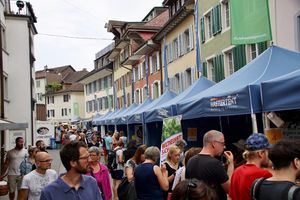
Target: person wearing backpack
<point>285,156</point>
<point>117,167</point>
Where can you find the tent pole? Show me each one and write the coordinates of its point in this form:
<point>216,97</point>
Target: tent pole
<point>254,123</point>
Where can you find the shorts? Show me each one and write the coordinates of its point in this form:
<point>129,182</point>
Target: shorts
<point>117,174</point>
<point>14,181</point>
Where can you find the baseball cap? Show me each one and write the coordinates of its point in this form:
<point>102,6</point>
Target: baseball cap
<point>257,141</point>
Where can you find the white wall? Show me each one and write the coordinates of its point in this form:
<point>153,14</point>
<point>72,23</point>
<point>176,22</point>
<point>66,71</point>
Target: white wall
<point>17,66</point>
<point>283,22</point>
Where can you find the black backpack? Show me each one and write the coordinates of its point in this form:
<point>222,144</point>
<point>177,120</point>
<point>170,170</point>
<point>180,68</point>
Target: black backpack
<point>256,186</point>
<point>112,160</point>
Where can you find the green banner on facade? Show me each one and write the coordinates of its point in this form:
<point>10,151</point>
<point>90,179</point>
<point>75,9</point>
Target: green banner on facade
<point>250,21</point>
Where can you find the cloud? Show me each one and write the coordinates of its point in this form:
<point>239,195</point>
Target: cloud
<point>82,19</point>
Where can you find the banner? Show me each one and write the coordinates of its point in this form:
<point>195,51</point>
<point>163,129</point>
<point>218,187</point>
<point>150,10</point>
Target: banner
<point>250,21</point>
<point>171,132</point>
<point>44,131</point>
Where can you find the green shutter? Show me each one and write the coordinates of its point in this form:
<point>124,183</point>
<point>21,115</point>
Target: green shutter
<point>262,46</point>
<point>216,19</point>
<point>202,29</point>
<point>219,19</point>
<point>219,68</point>
<point>204,70</point>
<point>239,57</point>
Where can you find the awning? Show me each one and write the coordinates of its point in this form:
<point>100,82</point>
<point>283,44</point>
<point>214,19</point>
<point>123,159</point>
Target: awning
<point>8,125</point>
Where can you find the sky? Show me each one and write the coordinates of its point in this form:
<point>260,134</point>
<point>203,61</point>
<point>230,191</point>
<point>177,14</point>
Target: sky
<point>81,19</point>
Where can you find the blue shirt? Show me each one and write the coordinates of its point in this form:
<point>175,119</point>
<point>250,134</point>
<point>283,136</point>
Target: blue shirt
<point>108,141</point>
<point>59,190</point>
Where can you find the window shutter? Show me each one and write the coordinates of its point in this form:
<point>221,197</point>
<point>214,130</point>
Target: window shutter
<point>151,91</point>
<point>159,89</point>
<point>204,70</point>
<point>219,19</point>
<point>157,60</point>
<point>139,72</point>
<point>239,57</point>
<point>181,44</point>
<point>191,38</point>
<point>192,75</point>
<point>202,30</point>
<point>150,65</point>
<point>178,45</point>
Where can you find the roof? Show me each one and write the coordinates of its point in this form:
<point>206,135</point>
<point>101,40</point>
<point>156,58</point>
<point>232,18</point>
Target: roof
<point>74,77</point>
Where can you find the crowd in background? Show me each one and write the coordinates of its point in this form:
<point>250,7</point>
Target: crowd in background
<point>114,167</point>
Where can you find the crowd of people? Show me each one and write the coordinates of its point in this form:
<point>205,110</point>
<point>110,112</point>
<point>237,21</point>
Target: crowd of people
<point>264,172</point>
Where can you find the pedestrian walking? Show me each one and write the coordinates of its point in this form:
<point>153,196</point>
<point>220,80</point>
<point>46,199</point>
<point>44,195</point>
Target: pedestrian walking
<point>100,172</point>
<point>35,181</point>
<point>12,163</point>
<point>73,184</point>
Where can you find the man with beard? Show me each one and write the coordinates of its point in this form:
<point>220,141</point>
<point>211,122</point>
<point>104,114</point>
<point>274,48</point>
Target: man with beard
<point>285,157</point>
<point>205,167</point>
<point>40,145</point>
<point>13,160</point>
<point>256,156</point>
<point>73,184</point>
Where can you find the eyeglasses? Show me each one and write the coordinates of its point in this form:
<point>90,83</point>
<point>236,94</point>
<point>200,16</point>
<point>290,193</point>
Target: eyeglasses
<point>84,157</point>
<point>222,143</point>
<point>49,160</point>
<point>93,155</point>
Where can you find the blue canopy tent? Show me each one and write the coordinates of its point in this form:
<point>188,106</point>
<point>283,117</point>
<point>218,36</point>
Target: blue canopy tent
<point>96,120</point>
<point>282,93</point>
<point>109,121</point>
<point>130,126</point>
<point>239,94</point>
<point>154,117</point>
<point>138,116</point>
<point>121,118</point>
<point>102,120</point>
<point>167,109</point>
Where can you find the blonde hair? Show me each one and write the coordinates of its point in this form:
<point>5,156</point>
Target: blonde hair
<point>250,155</point>
<point>172,150</point>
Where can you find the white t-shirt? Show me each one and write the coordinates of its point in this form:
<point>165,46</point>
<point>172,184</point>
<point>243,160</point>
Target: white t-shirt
<point>35,182</point>
<point>15,158</point>
<point>119,153</point>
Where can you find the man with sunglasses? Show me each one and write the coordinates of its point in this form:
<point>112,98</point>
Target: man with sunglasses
<point>36,180</point>
<point>73,184</point>
<point>208,169</point>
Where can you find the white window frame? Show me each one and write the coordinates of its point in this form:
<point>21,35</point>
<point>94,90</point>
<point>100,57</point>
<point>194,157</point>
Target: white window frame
<point>225,15</point>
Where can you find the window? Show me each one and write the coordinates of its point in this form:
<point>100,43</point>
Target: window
<point>210,70</point>
<point>188,78</point>
<point>226,14</point>
<point>128,100</point>
<point>229,66</point>
<point>253,51</point>
<point>208,26</point>
<point>154,60</point>
<point>66,98</point>
<point>137,96</point>
<point>109,81</point>
<point>38,83</point>
<point>95,89</point>
<point>50,99</point>
<point>144,69</point>
<point>40,96</point>
<point>51,113</point>
<point>145,93</point>
<point>155,90</point>
<point>64,112</point>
